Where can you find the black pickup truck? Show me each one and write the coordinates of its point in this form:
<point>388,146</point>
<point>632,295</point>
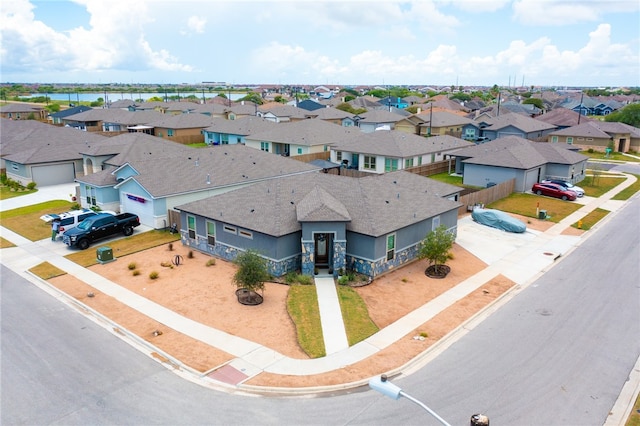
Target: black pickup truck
<point>100,226</point>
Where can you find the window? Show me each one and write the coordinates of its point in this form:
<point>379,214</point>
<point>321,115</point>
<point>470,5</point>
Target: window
<point>339,156</point>
<point>570,140</point>
<point>211,233</point>
<point>299,151</point>
<point>435,222</point>
<point>390,164</point>
<point>230,229</point>
<point>326,148</point>
<point>554,139</point>
<point>90,194</point>
<point>419,161</point>
<point>224,139</point>
<point>264,146</point>
<point>169,132</point>
<point>14,166</point>
<point>369,162</point>
<point>191,226</point>
<point>246,234</point>
<point>391,246</point>
<point>408,162</point>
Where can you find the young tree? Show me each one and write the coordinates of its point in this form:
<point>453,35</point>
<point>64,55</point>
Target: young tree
<point>252,271</point>
<point>436,247</point>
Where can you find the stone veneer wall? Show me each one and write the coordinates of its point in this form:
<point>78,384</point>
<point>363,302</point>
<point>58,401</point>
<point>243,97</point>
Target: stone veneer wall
<point>275,268</point>
<point>374,268</point>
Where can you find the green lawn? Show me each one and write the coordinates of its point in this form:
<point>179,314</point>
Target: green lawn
<point>451,179</point>
<point>355,315</point>
<point>529,205</point>
<point>302,305</point>
<point>615,156</point>
<point>598,184</point>
<point>630,191</point>
<point>25,221</point>
<point>124,246</point>
<point>6,192</point>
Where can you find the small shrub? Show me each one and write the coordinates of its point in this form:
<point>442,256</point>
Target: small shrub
<point>74,206</point>
<point>154,275</point>
<point>590,150</point>
<point>167,265</point>
<point>404,280</point>
<point>211,262</point>
<point>31,185</point>
<point>351,276</point>
<point>132,266</point>
<point>190,254</point>
<point>423,334</point>
<point>343,280</point>
<point>304,279</point>
<point>291,277</point>
<point>136,272</point>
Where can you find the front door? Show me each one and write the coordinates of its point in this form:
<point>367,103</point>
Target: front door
<point>322,249</point>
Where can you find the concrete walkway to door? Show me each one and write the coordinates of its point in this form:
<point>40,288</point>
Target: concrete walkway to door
<point>335,337</point>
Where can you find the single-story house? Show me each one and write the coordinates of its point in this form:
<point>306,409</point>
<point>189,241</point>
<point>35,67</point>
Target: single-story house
<point>301,137</point>
<point>372,120</point>
<point>56,117</point>
<point>149,176</point>
<point>516,158</point>
<point>14,111</point>
<point>389,150</point>
<point>597,135</point>
<point>229,132</point>
<point>314,220</point>
<point>33,151</point>
<point>513,124</point>
<point>182,128</point>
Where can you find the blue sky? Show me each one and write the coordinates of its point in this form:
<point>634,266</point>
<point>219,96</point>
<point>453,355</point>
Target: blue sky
<point>335,43</point>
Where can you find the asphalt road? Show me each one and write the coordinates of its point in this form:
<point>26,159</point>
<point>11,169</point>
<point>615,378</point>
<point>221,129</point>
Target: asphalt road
<point>558,353</point>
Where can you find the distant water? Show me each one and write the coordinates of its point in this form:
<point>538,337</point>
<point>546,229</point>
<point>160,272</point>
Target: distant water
<point>113,97</point>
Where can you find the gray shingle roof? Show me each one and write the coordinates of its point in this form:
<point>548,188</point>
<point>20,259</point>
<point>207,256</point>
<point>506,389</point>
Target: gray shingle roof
<point>182,121</point>
<point>376,205</point>
<point>309,132</point>
<point>518,153</point>
<point>393,143</point>
<point>519,121</point>
<point>598,129</point>
<point>29,142</point>
<point>244,126</point>
<point>221,166</point>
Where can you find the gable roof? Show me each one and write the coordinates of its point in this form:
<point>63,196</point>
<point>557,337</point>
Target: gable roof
<point>14,107</point>
<point>562,117</point>
<point>119,116</point>
<point>242,126</point>
<point>519,121</point>
<point>518,153</point>
<point>200,169</point>
<point>380,116</point>
<point>182,121</point>
<point>394,143</point>
<point>308,132</point>
<point>70,111</point>
<point>442,119</point>
<point>598,129</point>
<point>375,205</point>
<point>29,142</point>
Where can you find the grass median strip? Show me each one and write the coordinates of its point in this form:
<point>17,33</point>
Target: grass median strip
<point>530,205</point>
<point>302,305</point>
<point>46,271</point>
<point>591,219</point>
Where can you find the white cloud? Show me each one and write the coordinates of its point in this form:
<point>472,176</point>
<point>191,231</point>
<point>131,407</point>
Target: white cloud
<point>114,40</point>
<point>196,24</point>
<point>555,12</point>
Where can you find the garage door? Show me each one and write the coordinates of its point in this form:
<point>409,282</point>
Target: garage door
<point>53,174</point>
<point>143,207</point>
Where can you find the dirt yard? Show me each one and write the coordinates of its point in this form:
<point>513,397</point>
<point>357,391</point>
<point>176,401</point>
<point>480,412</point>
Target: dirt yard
<point>206,294</point>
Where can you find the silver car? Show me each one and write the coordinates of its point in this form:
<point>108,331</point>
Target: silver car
<point>571,187</point>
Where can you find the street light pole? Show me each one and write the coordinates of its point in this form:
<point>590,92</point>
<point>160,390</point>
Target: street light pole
<point>382,385</point>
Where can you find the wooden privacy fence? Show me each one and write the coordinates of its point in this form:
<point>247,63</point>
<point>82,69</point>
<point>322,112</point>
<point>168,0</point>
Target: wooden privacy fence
<point>486,196</point>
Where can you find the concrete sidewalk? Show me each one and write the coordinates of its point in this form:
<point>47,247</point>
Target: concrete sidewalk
<point>519,257</point>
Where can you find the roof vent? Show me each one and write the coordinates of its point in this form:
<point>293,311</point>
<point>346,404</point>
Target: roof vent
<point>208,179</point>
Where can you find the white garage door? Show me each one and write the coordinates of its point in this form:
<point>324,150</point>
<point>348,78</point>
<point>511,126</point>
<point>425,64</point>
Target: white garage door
<point>143,207</point>
<point>53,174</point>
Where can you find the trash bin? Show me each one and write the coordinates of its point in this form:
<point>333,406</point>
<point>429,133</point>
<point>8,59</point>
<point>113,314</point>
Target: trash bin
<point>104,255</point>
<point>542,214</point>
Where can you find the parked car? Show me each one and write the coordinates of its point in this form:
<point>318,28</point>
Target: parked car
<point>498,219</point>
<point>72,218</point>
<point>553,190</point>
<point>571,187</point>
<point>99,227</point>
